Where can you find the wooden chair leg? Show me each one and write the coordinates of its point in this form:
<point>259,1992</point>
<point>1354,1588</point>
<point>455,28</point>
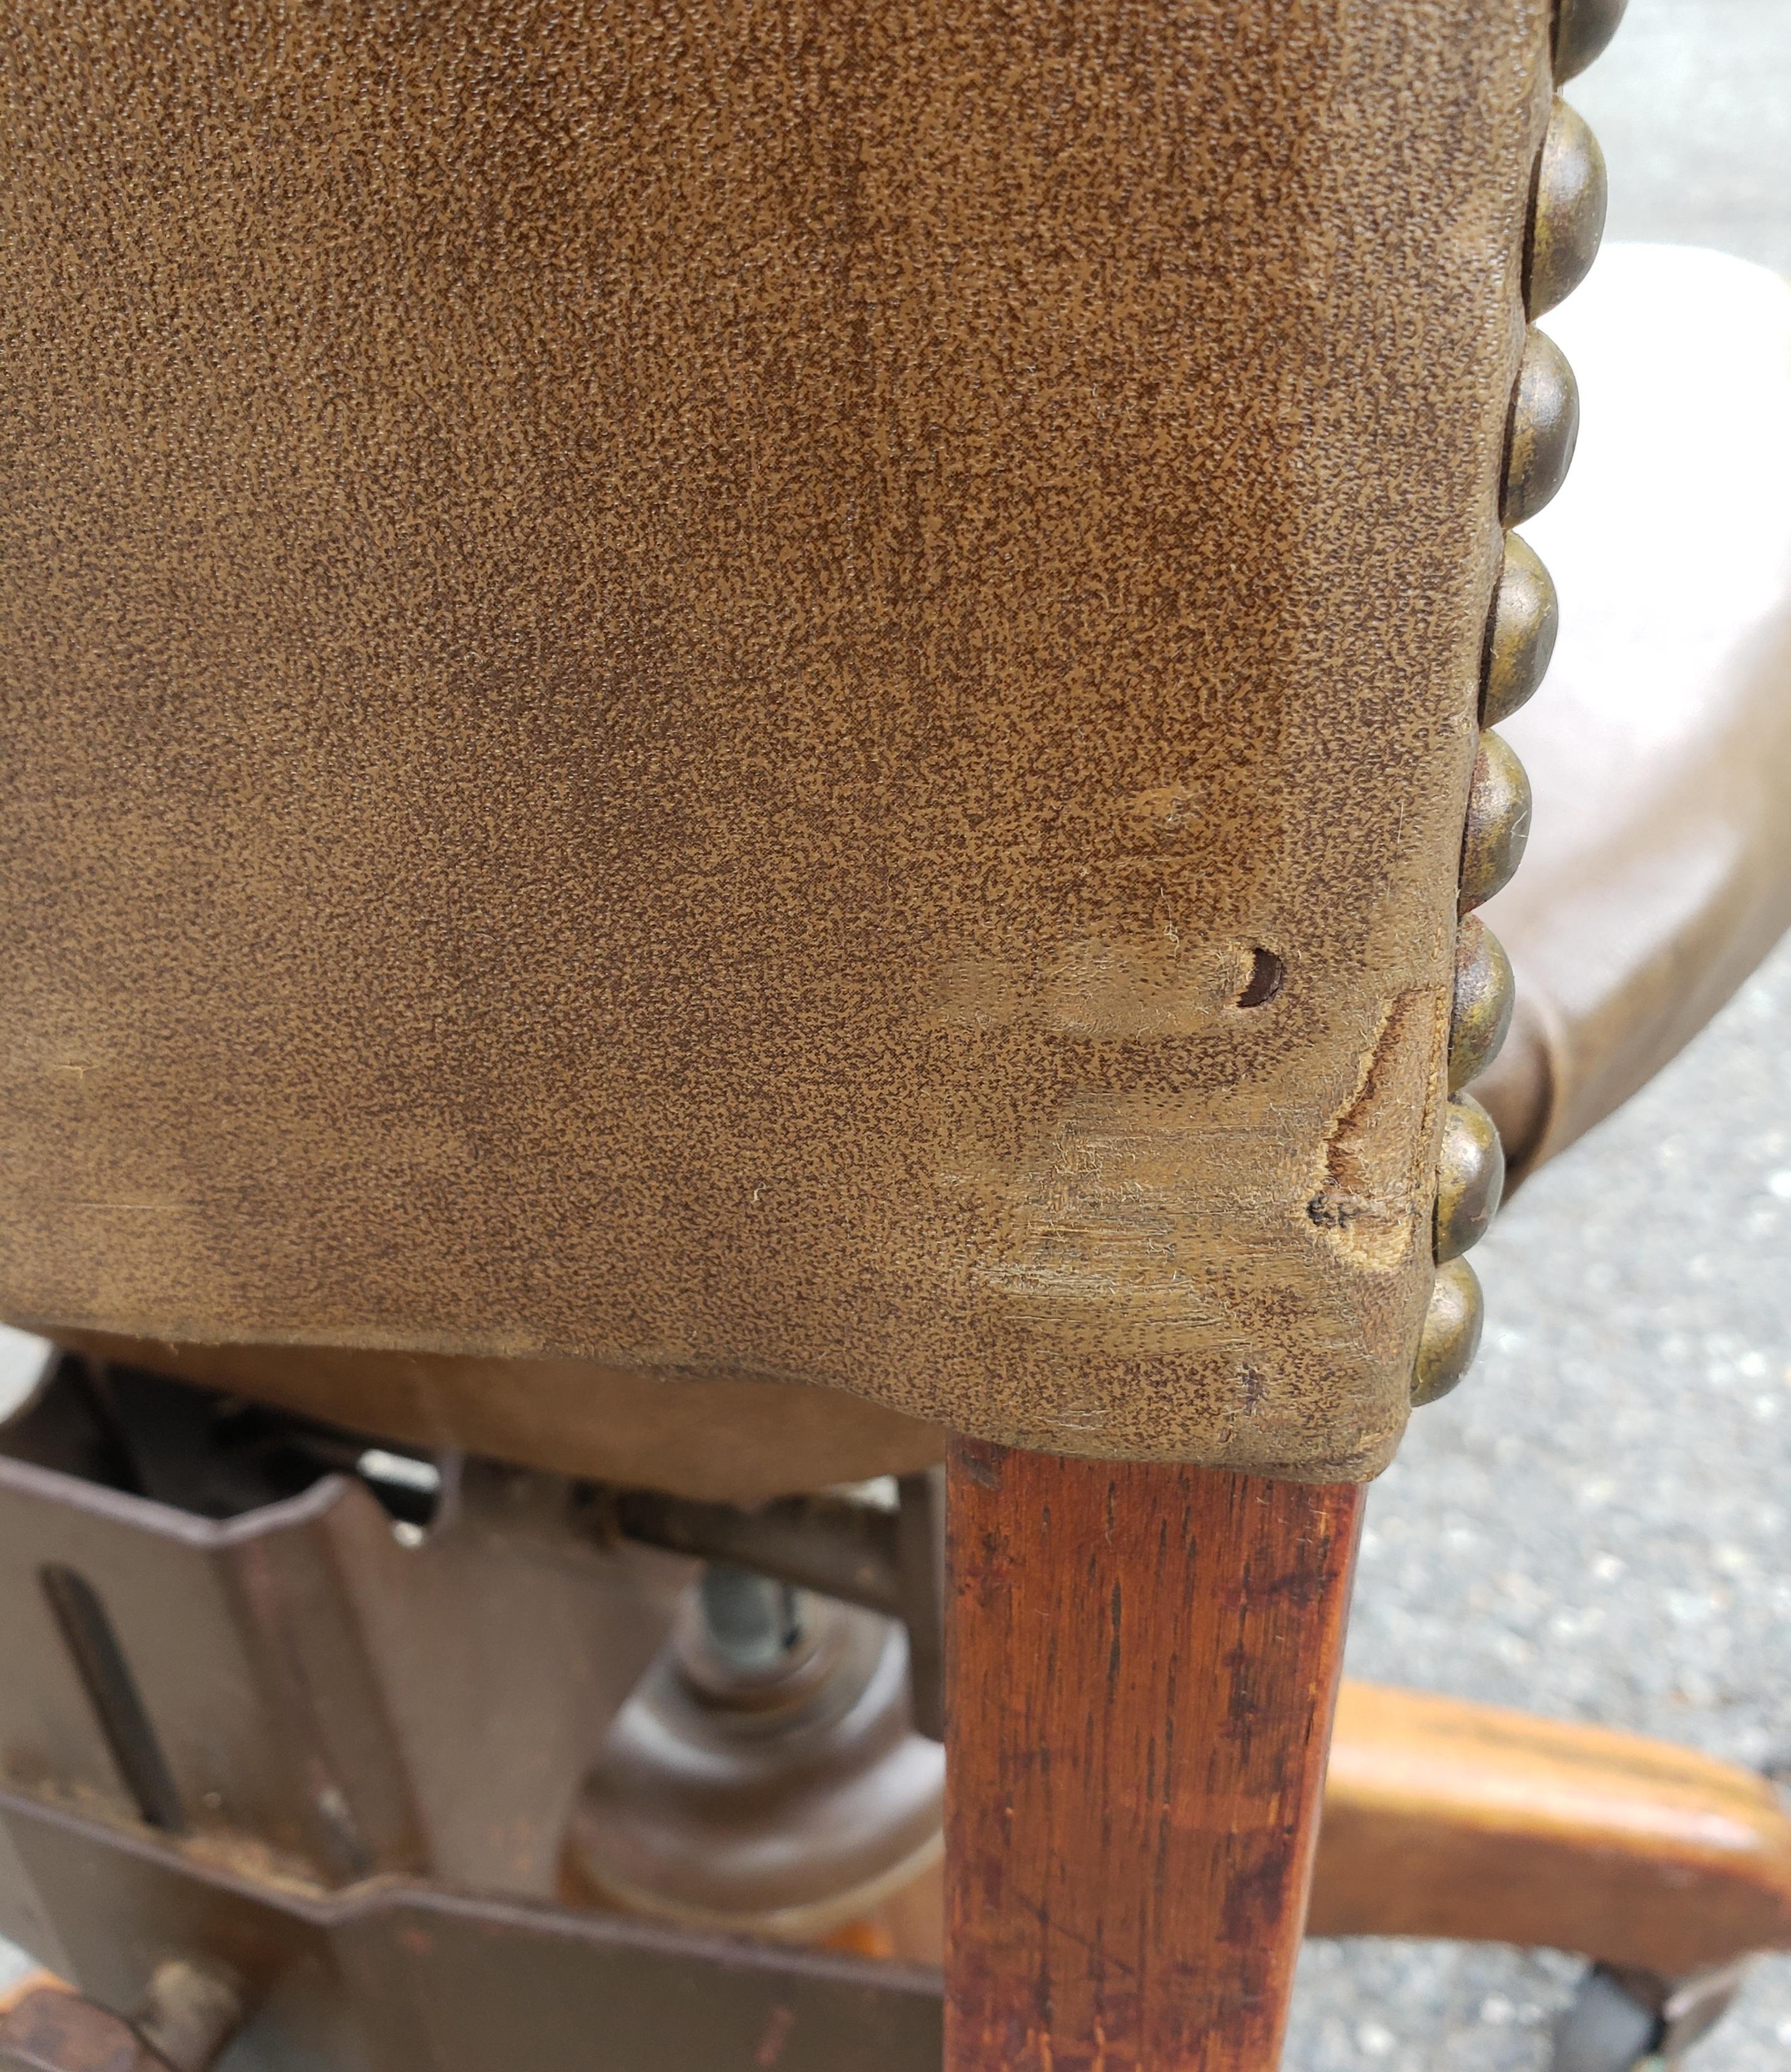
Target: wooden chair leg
<point>1142,1663</point>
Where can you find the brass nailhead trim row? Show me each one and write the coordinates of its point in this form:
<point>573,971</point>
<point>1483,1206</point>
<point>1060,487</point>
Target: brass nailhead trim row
<point>1520,637</point>
<point>1484,994</point>
<point>1566,221</point>
<point>1451,1336</point>
<point>1566,215</point>
<point>1470,1177</point>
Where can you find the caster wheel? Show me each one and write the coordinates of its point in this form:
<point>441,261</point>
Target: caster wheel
<point>1608,2028</point>
<point>1631,2022</point>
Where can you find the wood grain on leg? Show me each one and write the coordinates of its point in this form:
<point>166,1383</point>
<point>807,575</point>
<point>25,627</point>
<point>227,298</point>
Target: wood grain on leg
<point>1142,1663</point>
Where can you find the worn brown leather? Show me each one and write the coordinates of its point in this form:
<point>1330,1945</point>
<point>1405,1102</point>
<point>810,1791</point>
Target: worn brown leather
<point>1658,872</point>
<point>663,668</point>
<point>1663,733</point>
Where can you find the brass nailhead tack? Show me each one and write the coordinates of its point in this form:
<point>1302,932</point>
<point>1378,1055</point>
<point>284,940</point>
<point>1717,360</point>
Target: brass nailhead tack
<point>1521,637</point>
<point>1582,29</point>
<point>1545,424</point>
<point>1485,992</point>
<point>1452,1333</point>
<point>1567,216</point>
<point>1470,1177</point>
<point>1498,822</point>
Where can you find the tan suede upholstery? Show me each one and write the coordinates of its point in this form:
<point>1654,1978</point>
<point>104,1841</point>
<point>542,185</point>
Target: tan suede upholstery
<point>1658,873</point>
<point>663,670</point>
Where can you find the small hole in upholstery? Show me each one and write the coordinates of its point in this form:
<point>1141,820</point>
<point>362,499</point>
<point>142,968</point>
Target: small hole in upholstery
<point>1267,976</point>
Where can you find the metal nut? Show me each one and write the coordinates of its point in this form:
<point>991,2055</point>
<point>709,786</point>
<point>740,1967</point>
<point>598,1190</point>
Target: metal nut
<point>1470,1177</point>
<point>1484,993</point>
<point>1451,1335</point>
<point>1498,822</point>
<point>1545,425</point>
<point>1520,639</point>
<point>1568,215</point>
<point>1582,29</point>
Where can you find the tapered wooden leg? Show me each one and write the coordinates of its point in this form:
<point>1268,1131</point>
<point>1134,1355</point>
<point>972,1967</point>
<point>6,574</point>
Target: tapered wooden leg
<point>1142,1663</point>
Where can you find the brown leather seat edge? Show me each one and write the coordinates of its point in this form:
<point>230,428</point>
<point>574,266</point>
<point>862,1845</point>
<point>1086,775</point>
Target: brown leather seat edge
<point>1658,872</point>
<point>726,1441</point>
